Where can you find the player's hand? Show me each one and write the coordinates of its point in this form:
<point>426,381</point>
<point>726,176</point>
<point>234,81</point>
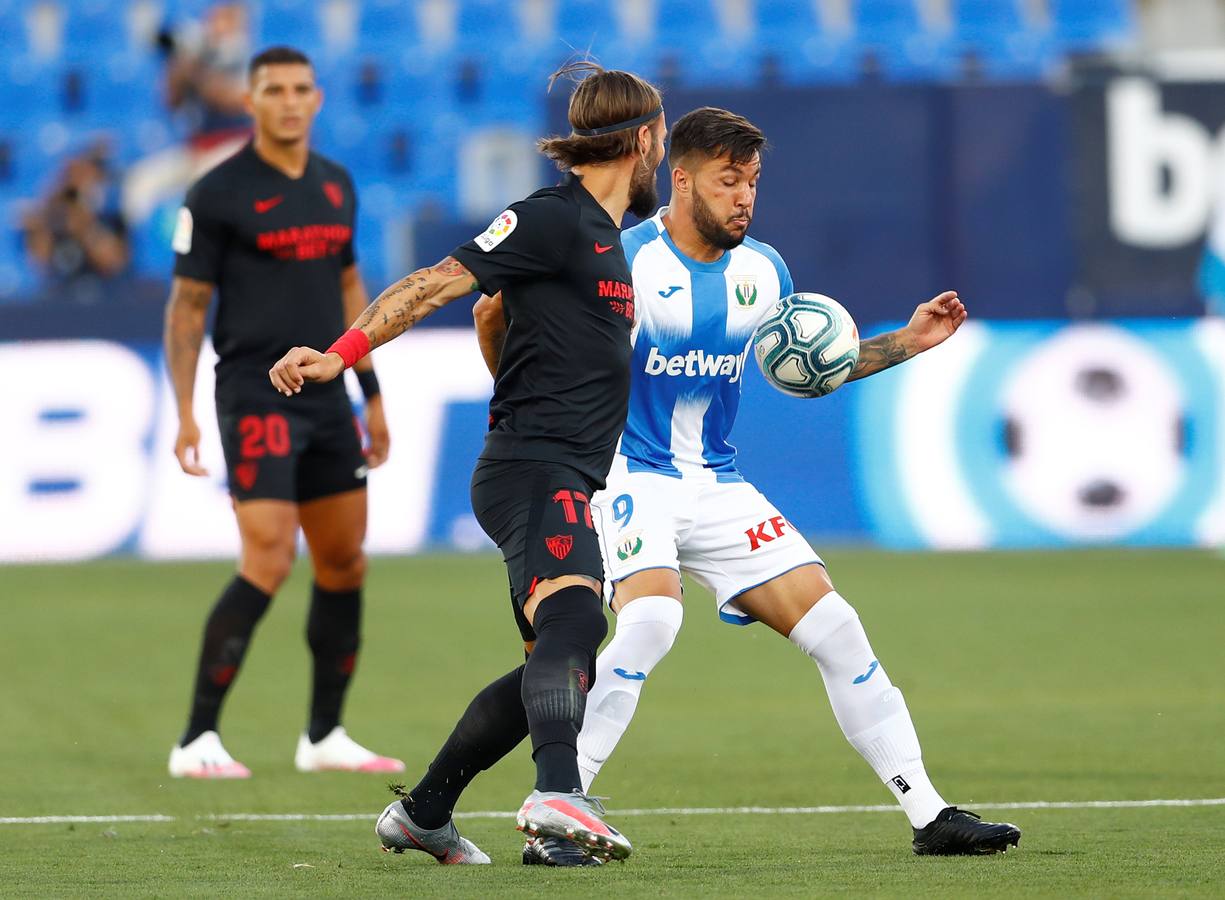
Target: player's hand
<point>935,321</point>
<point>302,364</point>
<point>376,428</point>
<point>187,447</point>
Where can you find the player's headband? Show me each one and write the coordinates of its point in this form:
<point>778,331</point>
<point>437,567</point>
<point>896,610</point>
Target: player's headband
<point>619,126</point>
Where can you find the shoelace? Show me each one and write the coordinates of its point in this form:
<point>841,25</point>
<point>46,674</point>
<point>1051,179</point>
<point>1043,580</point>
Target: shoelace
<point>966,812</point>
<point>593,800</point>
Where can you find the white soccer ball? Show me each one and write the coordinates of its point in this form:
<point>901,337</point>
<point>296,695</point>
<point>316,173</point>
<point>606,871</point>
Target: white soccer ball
<point>807,346</point>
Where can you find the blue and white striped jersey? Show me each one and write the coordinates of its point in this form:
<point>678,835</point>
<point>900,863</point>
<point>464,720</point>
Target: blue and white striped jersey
<point>691,342</point>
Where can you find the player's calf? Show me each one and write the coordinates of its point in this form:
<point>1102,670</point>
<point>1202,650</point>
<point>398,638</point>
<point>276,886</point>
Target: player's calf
<point>646,629</point>
<point>569,627</point>
<point>871,712</point>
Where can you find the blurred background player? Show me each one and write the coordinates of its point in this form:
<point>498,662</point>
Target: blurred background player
<point>271,229</point>
<point>558,406</point>
<point>675,500</point>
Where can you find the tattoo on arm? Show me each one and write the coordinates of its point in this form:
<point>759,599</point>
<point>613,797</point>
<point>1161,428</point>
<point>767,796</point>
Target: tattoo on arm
<point>877,354</point>
<point>186,313</point>
<point>414,297</point>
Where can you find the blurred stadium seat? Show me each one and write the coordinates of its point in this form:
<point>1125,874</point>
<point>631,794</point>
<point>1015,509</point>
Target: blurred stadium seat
<point>405,78</point>
<point>1083,26</point>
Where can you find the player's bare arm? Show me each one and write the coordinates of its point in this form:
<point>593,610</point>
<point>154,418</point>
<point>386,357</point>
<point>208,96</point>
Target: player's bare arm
<point>490,329</point>
<point>933,323</point>
<point>354,297</point>
<point>393,312</point>
<point>186,314</point>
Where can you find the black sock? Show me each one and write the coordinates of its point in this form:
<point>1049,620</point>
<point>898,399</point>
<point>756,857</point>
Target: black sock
<point>226,635</point>
<point>569,627</point>
<point>333,630</point>
<point>493,724</point>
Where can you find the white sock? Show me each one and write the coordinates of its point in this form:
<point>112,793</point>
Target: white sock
<point>646,628</point>
<point>870,710</point>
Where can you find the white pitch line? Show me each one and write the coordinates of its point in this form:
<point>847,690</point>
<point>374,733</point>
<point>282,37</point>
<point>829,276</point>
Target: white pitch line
<point>658,811</point>
<point>72,820</point>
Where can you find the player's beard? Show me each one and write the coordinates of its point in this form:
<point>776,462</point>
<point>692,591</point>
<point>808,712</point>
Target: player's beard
<point>644,194</point>
<point>714,232</point>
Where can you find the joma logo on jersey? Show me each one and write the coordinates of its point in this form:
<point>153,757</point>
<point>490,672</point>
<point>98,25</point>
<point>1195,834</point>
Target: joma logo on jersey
<point>765,532</point>
<point>695,363</point>
<point>617,289</point>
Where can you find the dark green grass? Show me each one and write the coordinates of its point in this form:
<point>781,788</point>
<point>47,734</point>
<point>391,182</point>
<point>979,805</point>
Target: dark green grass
<point>1068,676</point>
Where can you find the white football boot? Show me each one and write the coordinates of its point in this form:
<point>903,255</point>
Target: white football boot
<point>340,753</point>
<point>205,757</point>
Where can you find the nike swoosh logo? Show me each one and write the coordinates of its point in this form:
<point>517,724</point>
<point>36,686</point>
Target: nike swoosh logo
<point>442,858</point>
<point>262,206</point>
<point>599,249</point>
<point>631,676</point>
<point>672,289</point>
<point>868,674</point>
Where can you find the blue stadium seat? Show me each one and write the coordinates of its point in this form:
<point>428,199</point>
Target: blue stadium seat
<point>791,45</point>
<point>291,22</point>
<point>386,25</point>
<point>986,21</point>
<point>123,92</point>
<point>892,36</point>
<point>12,28</point>
<point>1088,25</point>
<point>583,24</point>
<point>687,23</point>
<point>94,30</point>
<point>885,22</point>
<point>999,40</point>
<point>788,21</point>
<point>485,26</point>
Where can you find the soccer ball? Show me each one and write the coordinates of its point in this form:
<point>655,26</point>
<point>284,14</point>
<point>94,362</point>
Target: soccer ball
<point>807,346</point>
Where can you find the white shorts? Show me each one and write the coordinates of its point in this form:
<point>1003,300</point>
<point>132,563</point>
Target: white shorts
<point>726,535</point>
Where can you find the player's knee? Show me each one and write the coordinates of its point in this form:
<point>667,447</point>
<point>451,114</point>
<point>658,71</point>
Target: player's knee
<point>654,623</point>
<point>578,611</point>
<point>827,616</point>
<point>341,572</point>
<point>267,562</point>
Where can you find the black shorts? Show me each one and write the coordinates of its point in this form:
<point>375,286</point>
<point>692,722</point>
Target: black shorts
<point>539,515</point>
<point>276,449</point>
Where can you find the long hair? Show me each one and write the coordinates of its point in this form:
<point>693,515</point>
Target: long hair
<point>600,98</point>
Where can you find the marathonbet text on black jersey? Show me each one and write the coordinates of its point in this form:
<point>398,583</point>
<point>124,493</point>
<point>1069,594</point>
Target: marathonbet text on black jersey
<point>275,246</point>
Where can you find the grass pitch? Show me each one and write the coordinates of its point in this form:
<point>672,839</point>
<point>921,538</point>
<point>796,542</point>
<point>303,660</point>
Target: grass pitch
<point>1031,677</point>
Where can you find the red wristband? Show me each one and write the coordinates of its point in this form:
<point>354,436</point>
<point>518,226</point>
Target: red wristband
<point>351,346</point>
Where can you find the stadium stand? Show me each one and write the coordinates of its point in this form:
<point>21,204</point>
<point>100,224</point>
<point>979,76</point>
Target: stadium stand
<point>402,88</point>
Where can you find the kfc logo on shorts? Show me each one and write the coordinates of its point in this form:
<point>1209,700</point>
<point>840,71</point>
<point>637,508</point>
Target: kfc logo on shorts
<point>245,473</point>
<point>765,532</point>
<point>559,544</point>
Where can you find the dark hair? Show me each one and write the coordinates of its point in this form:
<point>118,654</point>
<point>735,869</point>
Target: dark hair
<point>274,56</point>
<point>714,132</point>
<point>601,97</point>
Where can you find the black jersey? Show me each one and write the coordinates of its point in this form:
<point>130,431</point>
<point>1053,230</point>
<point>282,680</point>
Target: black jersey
<point>275,246</point>
<point>562,388</point>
